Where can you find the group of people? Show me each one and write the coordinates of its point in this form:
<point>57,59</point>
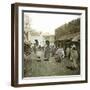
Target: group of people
<point>70,52</point>
<point>57,51</point>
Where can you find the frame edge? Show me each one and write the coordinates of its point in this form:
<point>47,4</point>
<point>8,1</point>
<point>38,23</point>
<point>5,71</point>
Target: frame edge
<point>14,76</point>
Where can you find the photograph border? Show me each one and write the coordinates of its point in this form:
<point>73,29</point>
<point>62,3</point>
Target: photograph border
<point>14,43</point>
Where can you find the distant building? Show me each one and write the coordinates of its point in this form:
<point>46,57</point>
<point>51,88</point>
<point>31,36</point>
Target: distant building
<point>37,36</point>
<point>50,38</point>
<point>41,37</point>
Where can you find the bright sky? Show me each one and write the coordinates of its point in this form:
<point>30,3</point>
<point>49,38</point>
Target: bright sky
<point>49,22</point>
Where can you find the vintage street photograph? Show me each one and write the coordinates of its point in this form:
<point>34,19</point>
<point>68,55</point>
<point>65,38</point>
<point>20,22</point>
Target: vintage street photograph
<point>51,44</point>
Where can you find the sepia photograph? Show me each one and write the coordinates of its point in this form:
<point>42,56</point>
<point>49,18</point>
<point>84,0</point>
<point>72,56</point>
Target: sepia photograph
<point>49,44</point>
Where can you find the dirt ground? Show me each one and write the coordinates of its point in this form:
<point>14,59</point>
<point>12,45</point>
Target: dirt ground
<point>36,67</point>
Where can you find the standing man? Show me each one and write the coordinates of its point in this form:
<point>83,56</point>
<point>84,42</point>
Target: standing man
<point>47,51</point>
<point>74,56</point>
<point>35,48</point>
